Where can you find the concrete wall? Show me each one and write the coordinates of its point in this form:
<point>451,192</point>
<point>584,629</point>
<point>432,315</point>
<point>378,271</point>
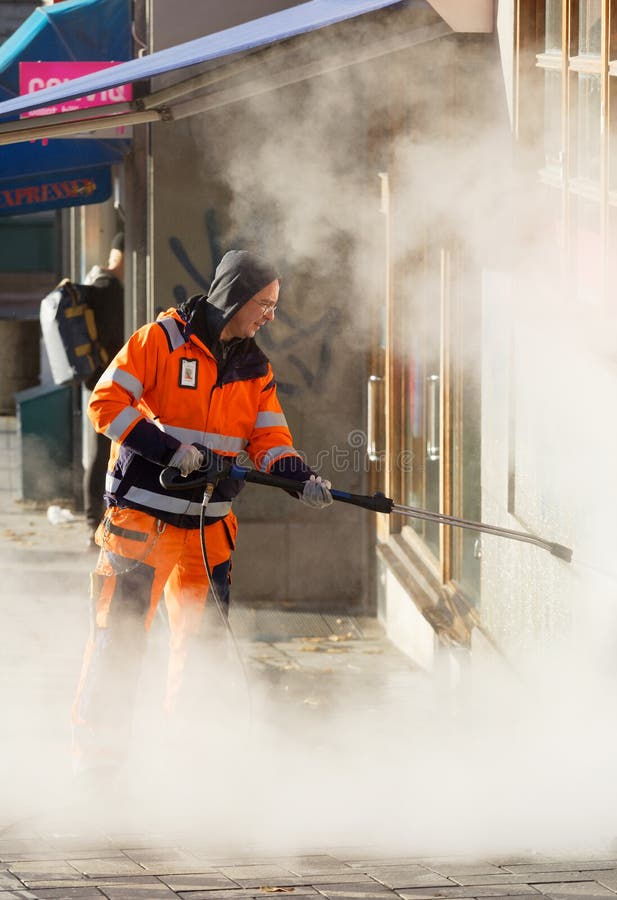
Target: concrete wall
<point>183,20</point>
<point>466,15</point>
<point>404,624</point>
<point>546,399</point>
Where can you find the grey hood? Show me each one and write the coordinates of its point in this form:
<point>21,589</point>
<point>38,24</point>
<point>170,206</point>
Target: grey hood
<point>238,277</point>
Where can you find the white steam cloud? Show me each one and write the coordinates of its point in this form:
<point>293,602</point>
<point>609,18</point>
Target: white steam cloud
<point>503,758</point>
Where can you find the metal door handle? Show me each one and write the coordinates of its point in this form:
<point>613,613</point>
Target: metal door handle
<point>432,425</point>
<point>371,447</point>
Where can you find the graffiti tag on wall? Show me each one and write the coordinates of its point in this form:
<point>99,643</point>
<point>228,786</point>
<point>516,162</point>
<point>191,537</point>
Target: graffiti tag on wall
<point>303,336</point>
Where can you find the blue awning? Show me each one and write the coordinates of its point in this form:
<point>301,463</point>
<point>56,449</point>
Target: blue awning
<point>58,156</point>
<point>250,35</point>
<point>68,172</point>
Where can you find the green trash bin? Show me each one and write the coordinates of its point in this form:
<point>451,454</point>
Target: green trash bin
<point>45,430</point>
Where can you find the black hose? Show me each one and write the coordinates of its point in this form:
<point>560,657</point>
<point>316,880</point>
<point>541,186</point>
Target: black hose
<point>224,614</point>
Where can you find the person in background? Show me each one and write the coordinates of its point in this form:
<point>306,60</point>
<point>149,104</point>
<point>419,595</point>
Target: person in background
<point>107,301</point>
<point>190,384</point>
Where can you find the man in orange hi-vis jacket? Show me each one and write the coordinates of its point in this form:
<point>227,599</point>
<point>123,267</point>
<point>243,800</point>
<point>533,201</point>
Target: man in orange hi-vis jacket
<point>193,381</point>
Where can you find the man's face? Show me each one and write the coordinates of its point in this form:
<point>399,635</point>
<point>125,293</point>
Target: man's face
<point>256,312</point>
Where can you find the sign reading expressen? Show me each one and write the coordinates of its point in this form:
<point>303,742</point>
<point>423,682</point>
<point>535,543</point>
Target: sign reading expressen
<point>40,192</point>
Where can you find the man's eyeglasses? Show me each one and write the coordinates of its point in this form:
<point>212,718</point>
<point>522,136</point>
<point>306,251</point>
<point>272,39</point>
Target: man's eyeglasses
<point>267,307</point>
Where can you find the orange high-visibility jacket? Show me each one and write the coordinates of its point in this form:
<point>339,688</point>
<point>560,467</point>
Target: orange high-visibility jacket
<point>164,388</point>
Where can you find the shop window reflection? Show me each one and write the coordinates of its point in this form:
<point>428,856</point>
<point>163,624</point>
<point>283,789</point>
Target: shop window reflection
<point>590,27</point>
<point>553,26</point>
<point>553,150</point>
<point>420,481</point>
<point>588,136</point>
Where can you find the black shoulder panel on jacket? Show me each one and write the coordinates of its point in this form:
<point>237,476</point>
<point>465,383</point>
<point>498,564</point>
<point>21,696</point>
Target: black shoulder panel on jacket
<point>172,329</point>
<point>245,361</point>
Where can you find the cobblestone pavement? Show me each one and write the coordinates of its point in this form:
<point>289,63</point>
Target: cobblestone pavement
<point>53,867</point>
<point>239,807</point>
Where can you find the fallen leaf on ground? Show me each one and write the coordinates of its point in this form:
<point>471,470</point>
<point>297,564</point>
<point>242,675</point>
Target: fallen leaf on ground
<point>19,537</point>
<point>267,889</point>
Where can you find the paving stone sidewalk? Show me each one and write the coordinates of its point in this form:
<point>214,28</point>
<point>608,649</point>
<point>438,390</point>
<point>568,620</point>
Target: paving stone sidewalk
<point>52,867</point>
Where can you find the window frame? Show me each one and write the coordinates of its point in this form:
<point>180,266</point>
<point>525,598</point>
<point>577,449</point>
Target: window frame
<point>572,63</point>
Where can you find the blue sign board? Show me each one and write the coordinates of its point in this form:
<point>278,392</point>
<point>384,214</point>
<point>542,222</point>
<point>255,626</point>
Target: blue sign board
<point>35,193</point>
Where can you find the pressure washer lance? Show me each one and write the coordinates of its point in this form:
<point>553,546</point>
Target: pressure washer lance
<point>377,502</point>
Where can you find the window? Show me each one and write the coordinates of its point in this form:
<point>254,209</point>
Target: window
<point>577,147</point>
<point>590,27</point>
<point>422,392</point>
<point>587,132</point>
<point>440,402</point>
<point>553,41</point>
<point>553,149</point>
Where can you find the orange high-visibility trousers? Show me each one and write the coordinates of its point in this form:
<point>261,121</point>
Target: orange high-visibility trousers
<point>140,559</point>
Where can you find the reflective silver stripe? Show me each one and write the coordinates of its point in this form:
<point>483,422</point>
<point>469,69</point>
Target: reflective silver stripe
<point>221,443</point>
<point>175,504</point>
<point>116,429</point>
<point>173,330</point>
<point>111,483</point>
<point>270,419</point>
<point>129,382</point>
<point>216,510</point>
<point>124,379</point>
<point>275,453</point>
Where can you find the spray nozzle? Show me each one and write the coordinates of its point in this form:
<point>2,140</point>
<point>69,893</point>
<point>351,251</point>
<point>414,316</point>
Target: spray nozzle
<point>560,552</point>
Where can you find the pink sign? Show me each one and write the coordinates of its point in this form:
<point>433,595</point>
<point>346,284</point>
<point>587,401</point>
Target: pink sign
<point>35,76</point>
